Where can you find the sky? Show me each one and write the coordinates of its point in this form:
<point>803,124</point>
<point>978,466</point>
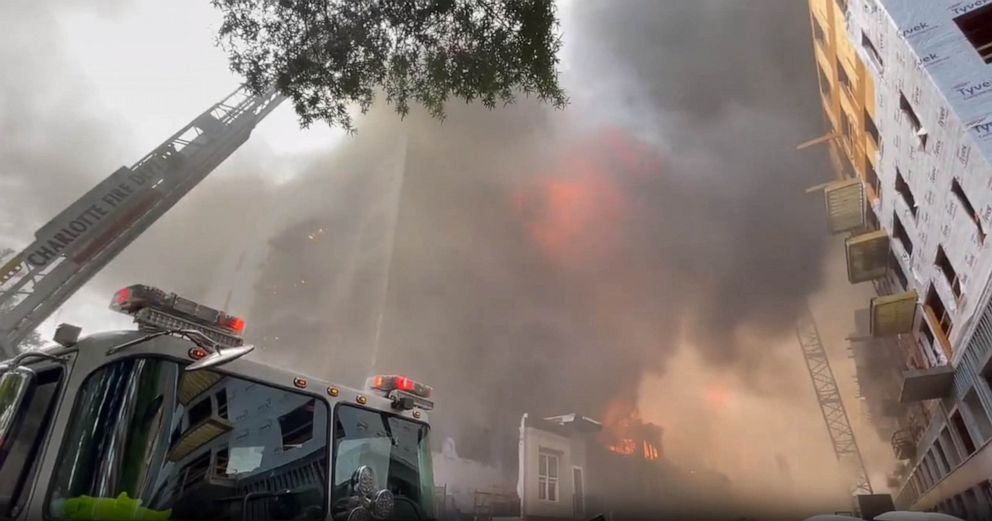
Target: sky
<point>652,241</point>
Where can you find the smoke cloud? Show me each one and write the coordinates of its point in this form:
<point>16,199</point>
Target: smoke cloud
<point>650,236</point>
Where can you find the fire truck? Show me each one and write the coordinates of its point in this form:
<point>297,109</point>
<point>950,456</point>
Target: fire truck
<point>174,420</point>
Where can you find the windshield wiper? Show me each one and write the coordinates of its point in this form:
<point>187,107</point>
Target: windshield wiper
<point>18,360</point>
<point>216,354</point>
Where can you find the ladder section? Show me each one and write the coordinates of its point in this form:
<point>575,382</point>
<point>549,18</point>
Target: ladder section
<point>87,235</point>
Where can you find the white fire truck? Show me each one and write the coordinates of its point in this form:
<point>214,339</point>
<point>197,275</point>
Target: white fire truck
<point>171,421</point>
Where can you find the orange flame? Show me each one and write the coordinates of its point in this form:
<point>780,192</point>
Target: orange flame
<point>626,434</point>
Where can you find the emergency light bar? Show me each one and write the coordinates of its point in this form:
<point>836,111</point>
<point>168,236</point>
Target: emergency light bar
<point>154,307</point>
<point>404,392</point>
<point>393,382</point>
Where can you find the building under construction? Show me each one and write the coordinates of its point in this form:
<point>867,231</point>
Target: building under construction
<point>906,88</point>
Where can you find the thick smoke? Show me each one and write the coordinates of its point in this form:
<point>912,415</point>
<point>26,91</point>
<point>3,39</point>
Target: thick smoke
<point>542,261</point>
<point>545,261</point>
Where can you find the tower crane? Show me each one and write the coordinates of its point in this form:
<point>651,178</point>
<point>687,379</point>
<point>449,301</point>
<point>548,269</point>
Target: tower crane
<point>89,233</point>
<point>831,404</point>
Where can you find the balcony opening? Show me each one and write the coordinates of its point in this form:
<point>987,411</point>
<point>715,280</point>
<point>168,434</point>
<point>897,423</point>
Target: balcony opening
<point>978,415</point>
<point>870,128</point>
<point>958,192</point>
<point>962,431</point>
<point>940,314</point>
<point>944,264</point>
<point>914,120</point>
<point>905,192</point>
<point>871,51</point>
<point>977,28</point>
<point>899,232</point>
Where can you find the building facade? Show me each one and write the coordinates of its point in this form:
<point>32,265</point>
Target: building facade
<point>906,87</point>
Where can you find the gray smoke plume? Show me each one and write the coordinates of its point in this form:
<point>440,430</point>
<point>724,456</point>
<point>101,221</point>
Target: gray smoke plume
<point>541,261</point>
<point>545,261</point>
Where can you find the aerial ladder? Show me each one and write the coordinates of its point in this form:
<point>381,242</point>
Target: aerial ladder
<point>83,238</point>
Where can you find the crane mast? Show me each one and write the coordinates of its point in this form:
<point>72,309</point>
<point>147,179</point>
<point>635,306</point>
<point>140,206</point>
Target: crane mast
<point>831,404</point>
<point>87,235</point>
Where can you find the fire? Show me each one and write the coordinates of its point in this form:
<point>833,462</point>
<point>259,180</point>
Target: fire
<point>576,210</point>
<point>625,433</point>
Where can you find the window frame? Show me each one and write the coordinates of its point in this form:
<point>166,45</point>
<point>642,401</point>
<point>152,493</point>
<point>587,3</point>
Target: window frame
<point>28,474</point>
<point>49,488</point>
<point>545,482</point>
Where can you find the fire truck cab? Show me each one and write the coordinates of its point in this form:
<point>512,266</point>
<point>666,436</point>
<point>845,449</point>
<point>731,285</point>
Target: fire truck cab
<point>171,422</point>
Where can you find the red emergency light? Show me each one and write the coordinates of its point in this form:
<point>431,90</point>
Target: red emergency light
<point>388,383</point>
<point>138,297</point>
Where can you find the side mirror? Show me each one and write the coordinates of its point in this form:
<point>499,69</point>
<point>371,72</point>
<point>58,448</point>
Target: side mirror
<point>15,383</point>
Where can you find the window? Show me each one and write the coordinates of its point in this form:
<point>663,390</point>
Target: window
<point>818,33</point>
<point>297,425</point>
<point>959,508</point>
<point>962,431</point>
<point>986,489</point>
<point>843,78</point>
<point>842,5</point>
<point>971,499</point>
<point>907,195</point>
<point>845,125</point>
<point>914,120</point>
<point>221,397</point>
<point>19,462</point>
<point>943,465</point>
<point>199,412</point>
<point>928,339</point>
<point>978,415</point>
<point>950,449</point>
<point>118,445</point>
<point>397,450</point>
<point>871,220</point>
<point>944,264</point>
<point>871,177</point>
<point>870,49</point>
<point>977,28</point>
<point>940,314</point>
<point>221,461</point>
<point>958,192</point>
<point>870,127</point>
<point>547,476</point>
<point>897,269</point>
<point>936,471</point>
<point>195,471</point>
<point>825,86</point>
<point>899,232</point>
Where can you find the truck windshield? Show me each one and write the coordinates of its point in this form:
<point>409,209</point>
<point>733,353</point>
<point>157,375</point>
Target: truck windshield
<point>398,452</point>
<point>19,452</point>
<point>149,441</point>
